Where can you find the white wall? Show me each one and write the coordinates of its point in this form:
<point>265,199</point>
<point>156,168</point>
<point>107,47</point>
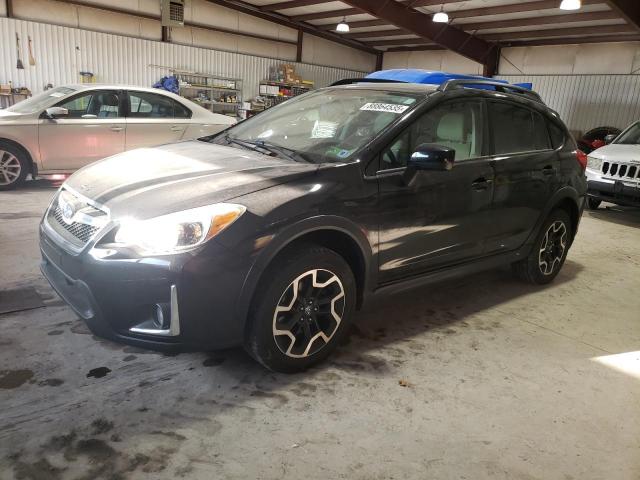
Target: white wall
<point>439,60</point>
<point>62,52</point>
<point>598,58</point>
<point>319,51</point>
<point>200,12</point>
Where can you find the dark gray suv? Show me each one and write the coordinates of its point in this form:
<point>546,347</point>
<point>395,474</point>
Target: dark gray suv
<point>272,233</point>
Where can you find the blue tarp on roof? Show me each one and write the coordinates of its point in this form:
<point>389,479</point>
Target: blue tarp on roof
<point>414,75</point>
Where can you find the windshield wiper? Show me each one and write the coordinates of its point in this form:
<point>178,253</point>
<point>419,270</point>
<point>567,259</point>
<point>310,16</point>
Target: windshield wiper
<point>284,151</point>
<point>268,148</point>
<point>250,145</point>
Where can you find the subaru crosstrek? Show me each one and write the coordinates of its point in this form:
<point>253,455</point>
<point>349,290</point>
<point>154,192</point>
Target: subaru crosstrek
<point>273,232</point>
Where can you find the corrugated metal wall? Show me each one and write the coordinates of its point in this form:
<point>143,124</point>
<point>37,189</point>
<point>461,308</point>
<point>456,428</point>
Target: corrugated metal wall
<point>62,52</point>
<point>588,101</point>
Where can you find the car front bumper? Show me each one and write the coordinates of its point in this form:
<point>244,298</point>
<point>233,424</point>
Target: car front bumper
<point>119,298</point>
<point>621,192</point>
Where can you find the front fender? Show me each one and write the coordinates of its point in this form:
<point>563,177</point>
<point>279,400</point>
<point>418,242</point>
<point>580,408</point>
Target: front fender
<point>295,231</point>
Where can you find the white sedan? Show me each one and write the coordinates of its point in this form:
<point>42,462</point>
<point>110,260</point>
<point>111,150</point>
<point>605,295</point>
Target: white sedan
<point>65,128</point>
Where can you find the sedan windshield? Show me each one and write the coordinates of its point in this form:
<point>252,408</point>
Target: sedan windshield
<point>631,136</point>
<point>321,126</point>
<point>41,101</point>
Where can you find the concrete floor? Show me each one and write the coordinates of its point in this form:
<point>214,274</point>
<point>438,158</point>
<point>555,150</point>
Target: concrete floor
<point>500,382</point>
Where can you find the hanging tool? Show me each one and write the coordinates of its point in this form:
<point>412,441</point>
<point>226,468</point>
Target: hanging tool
<point>19,66</point>
<point>32,59</point>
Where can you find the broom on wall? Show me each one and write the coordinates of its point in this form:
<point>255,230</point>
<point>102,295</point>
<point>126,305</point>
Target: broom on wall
<point>19,66</point>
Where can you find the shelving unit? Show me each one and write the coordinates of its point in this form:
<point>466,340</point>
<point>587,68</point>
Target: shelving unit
<point>209,90</point>
<point>277,92</point>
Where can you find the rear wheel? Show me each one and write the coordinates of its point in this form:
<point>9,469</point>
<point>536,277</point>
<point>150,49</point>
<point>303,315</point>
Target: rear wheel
<point>304,305</point>
<point>14,166</point>
<point>593,203</point>
<point>549,251</point>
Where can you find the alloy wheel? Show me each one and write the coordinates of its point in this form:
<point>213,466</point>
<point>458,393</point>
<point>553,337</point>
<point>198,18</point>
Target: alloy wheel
<point>553,247</point>
<point>308,313</point>
<point>10,168</point>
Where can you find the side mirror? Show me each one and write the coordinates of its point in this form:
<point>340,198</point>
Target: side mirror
<point>609,138</point>
<point>56,112</point>
<point>429,156</point>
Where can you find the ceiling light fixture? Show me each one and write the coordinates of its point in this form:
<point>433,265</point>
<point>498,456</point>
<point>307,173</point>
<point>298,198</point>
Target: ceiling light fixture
<point>441,16</point>
<point>570,5</point>
<point>343,26</point>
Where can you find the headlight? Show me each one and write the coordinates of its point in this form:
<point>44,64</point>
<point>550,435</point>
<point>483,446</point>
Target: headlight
<point>177,232</point>
<point>594,163</point>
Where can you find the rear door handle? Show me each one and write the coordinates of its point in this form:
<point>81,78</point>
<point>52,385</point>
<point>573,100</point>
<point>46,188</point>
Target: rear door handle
<point>481,184</point>
<point>177,128</point>
<point>116,128</point>
<point>548,170</point>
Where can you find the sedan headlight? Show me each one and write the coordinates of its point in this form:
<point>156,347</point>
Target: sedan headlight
<point>179,231</point>
<point>594,163</point>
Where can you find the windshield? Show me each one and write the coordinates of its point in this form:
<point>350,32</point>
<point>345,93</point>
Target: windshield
<point>41,101</point>
<point>631,136</point>
<point>322,126</point>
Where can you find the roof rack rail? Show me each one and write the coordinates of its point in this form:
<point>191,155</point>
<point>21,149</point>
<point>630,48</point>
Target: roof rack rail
<point>499,86</point>
<point>349,81</point>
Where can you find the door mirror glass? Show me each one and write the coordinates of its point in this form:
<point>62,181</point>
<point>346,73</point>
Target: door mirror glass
<point>609,138</point>
<point>430,156</point>
<point>56,112</point>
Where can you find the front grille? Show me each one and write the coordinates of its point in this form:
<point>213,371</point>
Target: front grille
<point>81,231</point>
<point>620,170</point>
<point>84,226</point>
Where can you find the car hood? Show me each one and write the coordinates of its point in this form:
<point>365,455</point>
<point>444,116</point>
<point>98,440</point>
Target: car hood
<point>618,152</point>
<point>12,117</point>
<point>147,182</point>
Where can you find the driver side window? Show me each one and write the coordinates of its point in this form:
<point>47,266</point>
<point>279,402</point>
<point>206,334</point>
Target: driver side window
<point>456,125</point>
<point>94,104</point>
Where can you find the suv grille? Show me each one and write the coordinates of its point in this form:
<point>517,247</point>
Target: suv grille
<point>621,170</point>
<point>87,220</point>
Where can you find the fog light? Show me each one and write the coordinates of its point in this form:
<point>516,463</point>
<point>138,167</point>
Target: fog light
<point>161,316</point>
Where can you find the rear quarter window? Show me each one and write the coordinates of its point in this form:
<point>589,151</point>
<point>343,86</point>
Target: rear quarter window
<point>557,135</point>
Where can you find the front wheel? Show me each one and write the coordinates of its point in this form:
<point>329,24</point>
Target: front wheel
<point>304,304</point>
<point>14,166</point>
<point>549,250</point>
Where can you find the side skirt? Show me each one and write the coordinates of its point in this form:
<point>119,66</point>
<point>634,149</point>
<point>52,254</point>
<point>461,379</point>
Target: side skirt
<point>449,272</point>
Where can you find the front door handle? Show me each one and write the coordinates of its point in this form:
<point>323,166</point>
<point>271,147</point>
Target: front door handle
<point>481,183</point>
<point>116,128</point>
<point>548,170</point>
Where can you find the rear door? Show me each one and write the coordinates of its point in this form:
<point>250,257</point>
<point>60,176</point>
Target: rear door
<point>526,169</point>
<point>93,129</point>
<point>431,219</point>
<point>154,119</point>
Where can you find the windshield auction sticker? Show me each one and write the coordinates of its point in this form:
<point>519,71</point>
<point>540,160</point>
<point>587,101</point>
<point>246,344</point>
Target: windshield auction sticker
<point>384,107</point>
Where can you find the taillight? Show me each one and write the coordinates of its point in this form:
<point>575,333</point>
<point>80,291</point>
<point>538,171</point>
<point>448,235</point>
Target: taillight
<point>582,159</point>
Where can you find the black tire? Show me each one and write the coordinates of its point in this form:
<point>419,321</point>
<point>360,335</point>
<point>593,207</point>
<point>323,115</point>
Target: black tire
<point>280,353</point>
<point>12,160</point>
<point>541,267</point>
<point>593,203</point>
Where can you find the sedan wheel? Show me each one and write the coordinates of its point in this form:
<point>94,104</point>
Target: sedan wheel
<point>10,168</point>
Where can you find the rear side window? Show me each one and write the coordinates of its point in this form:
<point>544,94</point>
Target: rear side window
<point>516,129</point>
<point>151,105</point>
<point>557,135</point>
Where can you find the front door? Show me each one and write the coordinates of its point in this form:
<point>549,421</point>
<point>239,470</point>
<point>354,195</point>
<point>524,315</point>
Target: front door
<point>154,119</point>
<point>93,129</point>
<point>429,219</point>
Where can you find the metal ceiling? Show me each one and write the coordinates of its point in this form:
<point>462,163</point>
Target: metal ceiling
<point>380,24</point>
